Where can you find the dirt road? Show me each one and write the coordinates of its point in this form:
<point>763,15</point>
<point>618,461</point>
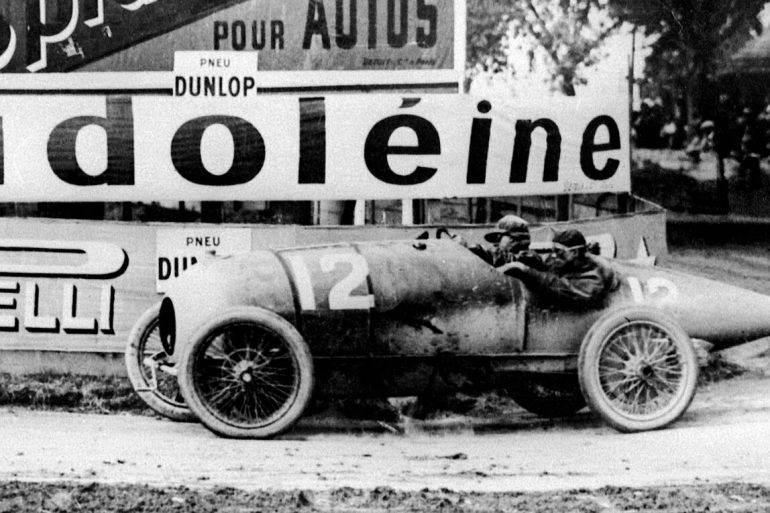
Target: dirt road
<point>723,437</point>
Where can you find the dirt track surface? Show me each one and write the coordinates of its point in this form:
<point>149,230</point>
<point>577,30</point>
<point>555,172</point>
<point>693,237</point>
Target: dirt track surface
<point>723,437</point>
<point>714,459</point>
<point>19,497</point>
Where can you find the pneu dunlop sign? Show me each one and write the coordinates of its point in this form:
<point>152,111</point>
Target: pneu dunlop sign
<point>180,248</point>
<point>123,148</point>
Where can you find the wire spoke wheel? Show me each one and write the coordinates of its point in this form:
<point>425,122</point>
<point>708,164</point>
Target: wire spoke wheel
<point>145,360</point>
<point>638,369</point>
<point>248,375</point>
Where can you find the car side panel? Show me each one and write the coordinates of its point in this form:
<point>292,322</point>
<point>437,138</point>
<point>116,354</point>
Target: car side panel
<point>434,297</point>
<point>333,298</point>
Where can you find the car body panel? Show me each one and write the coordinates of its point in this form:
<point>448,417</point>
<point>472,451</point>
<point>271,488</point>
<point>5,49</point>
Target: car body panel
<point>723,314</point>
<point>434,298</point>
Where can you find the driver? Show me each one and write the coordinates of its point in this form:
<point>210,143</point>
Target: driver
<point>510,240</point>
<point>571,278</point>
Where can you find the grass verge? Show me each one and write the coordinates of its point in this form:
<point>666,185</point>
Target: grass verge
<point>102,394</point>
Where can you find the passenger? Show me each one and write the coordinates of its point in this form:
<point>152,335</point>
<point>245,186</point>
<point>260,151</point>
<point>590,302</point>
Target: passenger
<point>572,278</point>
<point>510,241</point>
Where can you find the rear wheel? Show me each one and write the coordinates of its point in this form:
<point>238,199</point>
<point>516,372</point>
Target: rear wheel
<point>547,394</point>
<point>247,373</point>
<point>150,373</point>
<point>638,369</point>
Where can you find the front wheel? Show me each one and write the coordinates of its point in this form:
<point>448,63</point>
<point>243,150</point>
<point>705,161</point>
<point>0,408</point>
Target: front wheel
<point>637,369</point>
<point>247,373</point>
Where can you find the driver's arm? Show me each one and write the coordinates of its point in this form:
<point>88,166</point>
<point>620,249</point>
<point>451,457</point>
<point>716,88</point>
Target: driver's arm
<point>574,289</point>
<point>491,255</point>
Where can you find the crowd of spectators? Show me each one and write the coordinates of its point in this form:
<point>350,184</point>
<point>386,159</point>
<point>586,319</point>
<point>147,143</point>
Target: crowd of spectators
<point>741,132</point>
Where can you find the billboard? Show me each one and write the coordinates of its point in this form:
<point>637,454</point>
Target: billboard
<point>289,35</point>
<point>252,147</point>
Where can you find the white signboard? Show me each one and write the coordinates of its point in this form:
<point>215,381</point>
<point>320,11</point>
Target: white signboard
<point>180,248</point>
<point>122,148</point>
<point>205,74</point>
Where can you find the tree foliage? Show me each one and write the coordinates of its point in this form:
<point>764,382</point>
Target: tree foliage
<point>567,33</point>
<point>694,37</point>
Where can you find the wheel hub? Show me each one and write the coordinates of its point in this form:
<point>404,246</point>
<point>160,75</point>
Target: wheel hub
<point>244,371</point>
<point>642,371</point>
<point>646,372</point>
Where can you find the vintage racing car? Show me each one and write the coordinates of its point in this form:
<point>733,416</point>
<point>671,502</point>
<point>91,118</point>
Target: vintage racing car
<point>249,339</point>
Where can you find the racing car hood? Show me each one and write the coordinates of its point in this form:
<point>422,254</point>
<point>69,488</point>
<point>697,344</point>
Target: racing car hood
<point>203,291</point>
<point>720,313</point>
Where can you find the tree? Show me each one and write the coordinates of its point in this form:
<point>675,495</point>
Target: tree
<point>694,36</point>
<point>567,32</point>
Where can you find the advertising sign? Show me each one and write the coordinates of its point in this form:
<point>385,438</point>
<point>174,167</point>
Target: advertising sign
<point>180,248</point>
<point>122,148</point>
<point>83,309</point>
<point>143,35</point>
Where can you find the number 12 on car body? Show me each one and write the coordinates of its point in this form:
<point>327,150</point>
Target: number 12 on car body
<point>340,291</point>
<point>656,289</point>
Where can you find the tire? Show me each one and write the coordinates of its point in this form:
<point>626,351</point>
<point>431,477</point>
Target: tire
<point>247,373</point>
<point>547,394</point>
<point>637,369</point>
<point>144,342</point>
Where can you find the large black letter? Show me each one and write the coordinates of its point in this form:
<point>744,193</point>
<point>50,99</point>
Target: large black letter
<point>372,24</point>
<point>522,144</point>
<point>164,268</point>
<point>37,29</point>
<point>398,39</point>
<point>427,13</point>
<point>479,145</point>
<point>316,26</point>
<point>221,31</point>
<point>348,40</point>
<point>589,147</point>
<point>377,149</point>
<point>247,141</point>
<point>119,125</point>
<point>312,140</point>
<point>276,34</point>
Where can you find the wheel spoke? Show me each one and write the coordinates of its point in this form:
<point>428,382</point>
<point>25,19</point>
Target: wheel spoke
<point>221,397</point>
<point>640,369</point>
<point>617,386</point>
<point>247,374</point>
<point>274,397</point>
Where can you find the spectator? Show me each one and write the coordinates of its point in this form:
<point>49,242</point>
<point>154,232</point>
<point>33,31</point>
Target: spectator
<point>701,140</point>
<point>751,147</point>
